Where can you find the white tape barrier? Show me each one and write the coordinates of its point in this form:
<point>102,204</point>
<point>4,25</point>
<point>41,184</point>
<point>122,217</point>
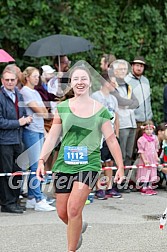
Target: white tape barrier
<point>103,169</point>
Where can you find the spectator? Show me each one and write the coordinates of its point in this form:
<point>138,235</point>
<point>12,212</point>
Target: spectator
<point>127,128</point>
<point>12,120</point>
<point>110,102</point>
<point>165,103</point>
<point>47,73</point>
<point>62,65</point>
<point>106,61</point>
<point>15,68</point>
<point>59,83</point>
<point>49,100</point>
<point>148,155</point>
<point>160,132</point>
<point>33,136</point>
<point>141,88</point>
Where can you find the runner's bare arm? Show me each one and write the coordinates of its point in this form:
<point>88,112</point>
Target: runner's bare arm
<point>49,143</point>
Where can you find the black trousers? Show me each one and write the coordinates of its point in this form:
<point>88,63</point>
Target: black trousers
<point>10,186</point>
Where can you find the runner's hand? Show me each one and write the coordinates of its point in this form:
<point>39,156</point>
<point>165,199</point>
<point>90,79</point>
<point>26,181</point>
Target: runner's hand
<point>40,170</point>
<point>119,176</point>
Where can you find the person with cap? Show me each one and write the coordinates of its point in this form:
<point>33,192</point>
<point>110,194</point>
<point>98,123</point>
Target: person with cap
<point>141,88</point>
<point>49,99</point>
<point>47,72</point>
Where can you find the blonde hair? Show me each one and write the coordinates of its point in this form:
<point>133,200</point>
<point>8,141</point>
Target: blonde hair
<point>27,72</point>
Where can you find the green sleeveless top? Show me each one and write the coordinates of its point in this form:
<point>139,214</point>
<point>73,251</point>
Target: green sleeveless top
<point>81,137</point>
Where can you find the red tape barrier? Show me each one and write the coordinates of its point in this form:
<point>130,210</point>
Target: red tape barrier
<point>136,166</point>
<point>8,174</point>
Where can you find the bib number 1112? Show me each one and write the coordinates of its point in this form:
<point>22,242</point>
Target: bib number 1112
<point>75,155</point>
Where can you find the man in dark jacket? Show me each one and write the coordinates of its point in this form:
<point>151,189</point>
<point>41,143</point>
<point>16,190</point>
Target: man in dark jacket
<point>12,118</point>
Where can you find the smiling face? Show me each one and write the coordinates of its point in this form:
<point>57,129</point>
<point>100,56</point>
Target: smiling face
<point>80,82</point>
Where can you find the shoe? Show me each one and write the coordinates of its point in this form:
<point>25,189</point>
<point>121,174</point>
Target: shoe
<point>123,190</point>
<point>146,192</point>
<point>42,206</point>
<point>101,195</point>
<point>112,193</point>
<point>11,209</point>
<point>79,242</point>
<point>47,199</point>
<point>87,202</point>
<point>149,192</point>
<point>30,203</point>
<point>22,208</point>
<point>24,195</point>
<point>50,201</point>
<point>19,206</point>
<point>84,226</point>
<point>152,191</point>
<point>143,191</point>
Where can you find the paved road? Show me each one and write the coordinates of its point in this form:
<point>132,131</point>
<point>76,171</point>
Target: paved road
<point>117,225</point>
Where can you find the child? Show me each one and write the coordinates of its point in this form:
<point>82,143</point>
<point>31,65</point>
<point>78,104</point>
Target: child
<point>161,132</point>
<point>163,155</point>
<point>148,154</point>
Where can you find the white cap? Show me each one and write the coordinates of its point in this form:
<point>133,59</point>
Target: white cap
<point>48,69</point>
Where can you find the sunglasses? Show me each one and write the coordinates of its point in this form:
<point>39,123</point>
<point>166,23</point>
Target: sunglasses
<point>7,80</point>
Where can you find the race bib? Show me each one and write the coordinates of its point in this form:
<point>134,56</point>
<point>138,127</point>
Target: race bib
<point>75,155</point>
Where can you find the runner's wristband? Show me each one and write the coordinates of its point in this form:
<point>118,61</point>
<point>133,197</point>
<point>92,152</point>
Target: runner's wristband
<point>42,160</point>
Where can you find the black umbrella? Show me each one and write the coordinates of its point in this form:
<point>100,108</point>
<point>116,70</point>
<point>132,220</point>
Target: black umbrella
<point>58,45</point>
